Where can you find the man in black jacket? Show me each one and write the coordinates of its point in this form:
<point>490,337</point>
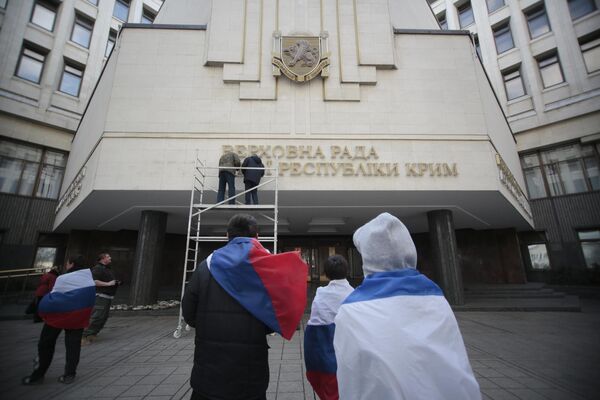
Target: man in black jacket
<point>231,354</point>
<point>252,177</point>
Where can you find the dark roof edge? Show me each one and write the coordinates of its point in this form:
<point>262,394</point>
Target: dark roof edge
<point>164,26</point>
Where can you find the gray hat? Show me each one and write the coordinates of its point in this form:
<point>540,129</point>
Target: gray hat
<point>385,245</point>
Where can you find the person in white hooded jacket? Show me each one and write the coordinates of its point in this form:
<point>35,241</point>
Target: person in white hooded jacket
<point>396,336</point>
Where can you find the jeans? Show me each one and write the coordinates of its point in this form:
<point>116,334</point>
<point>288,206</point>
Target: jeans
<point>46,346</point>
<point>252,196</point>
<point>99,316</point>
<point>226,178</point>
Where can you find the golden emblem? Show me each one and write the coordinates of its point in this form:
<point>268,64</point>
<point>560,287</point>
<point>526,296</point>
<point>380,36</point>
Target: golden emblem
<point>300,58</point>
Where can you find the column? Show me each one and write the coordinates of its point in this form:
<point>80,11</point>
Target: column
<point>148,258</point>
<point>445,254</point>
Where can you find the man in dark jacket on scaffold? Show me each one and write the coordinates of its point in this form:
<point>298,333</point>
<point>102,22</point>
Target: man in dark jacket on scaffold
<point>237,296</point>
<point>252,177</point>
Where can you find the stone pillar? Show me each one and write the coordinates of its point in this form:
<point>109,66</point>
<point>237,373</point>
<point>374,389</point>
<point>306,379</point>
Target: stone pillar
<point>148,258</point>
<point>445,255</point>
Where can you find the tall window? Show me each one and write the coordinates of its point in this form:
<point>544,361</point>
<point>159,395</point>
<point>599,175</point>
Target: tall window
<point>503,38</point>
<point>477,46</point>
<point>465,15</point>
<point>537,21</point>
<point>44,15</point>
<point>590,245</point>
<point>27,170</point>
<point>590,50</point>
<point>112,39</point>
<point>513,83</point>
<point>31,64</point>
<point>566,169</point>
<point>550,70</point>
<point>493,5</point>
<point>70,82</point>
<point>121,10</point>
<point>147,16</point>
<point>442,20</point>
<point>579,8</point>
<point>82,31</point>
<point>538,255</point>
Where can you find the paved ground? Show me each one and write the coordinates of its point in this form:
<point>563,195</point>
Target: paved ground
<point>515,355</point>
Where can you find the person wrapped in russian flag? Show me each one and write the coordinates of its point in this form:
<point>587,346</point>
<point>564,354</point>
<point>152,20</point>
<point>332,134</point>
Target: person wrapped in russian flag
<point>236,297</point>
<point>396,336</point>
<point>67,307</point>
<point>319,355</point>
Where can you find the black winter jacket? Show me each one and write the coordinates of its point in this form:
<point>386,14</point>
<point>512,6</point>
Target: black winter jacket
<point>253,175</point>
<point>231,354</point>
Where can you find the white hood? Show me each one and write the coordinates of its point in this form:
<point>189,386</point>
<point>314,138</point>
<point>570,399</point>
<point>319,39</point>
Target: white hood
<point>385,245</point>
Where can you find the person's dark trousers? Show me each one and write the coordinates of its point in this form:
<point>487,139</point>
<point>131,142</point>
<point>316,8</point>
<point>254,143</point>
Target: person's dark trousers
<point>252,196</point>
<point>46,347</point>
<point>197,396</point>
<point>99,316</point>
<point>226,178</point>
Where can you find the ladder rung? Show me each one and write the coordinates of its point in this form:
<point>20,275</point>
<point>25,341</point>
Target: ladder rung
<point>236,206</point>
<point>224,239</point>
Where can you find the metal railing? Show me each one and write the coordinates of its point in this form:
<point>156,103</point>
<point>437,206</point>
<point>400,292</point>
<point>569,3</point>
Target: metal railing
<point>14,282</point>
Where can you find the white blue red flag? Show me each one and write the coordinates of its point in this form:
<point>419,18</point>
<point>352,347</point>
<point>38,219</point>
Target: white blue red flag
<point>397,338</point>
<point>319,355</point>
<point>71,301</point>
<point>272,287</point>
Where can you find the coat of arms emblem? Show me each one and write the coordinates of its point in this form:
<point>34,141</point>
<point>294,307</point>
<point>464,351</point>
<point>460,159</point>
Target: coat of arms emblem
<point>300,58</point>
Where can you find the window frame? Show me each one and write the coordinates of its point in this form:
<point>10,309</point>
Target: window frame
<point>48,6</point>
<point>3,7</point>
<point>537,11</point>
<point>36,50</point>
<point>68,64</point>
<point>122,2</point>
<point>590,42</point>
<point>592,2</point>
<point>147,11</point>
<point>506,78</point>
<point>84,22</point>
<point>462,8</point>
<point>545,58</point>
<point>114,42</point>
<point>547,255</point>
<point>487,4</point>
<point>581,241</point>
<point>500,29</point>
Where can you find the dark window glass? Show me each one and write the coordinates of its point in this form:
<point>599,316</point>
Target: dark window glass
<point>493,5</point>
<point>44,15</point>
<point>112,39</point>
<point>51,175</point>
<point>579,8</point>
<point>82,31</point>
<point>465,15</point>
<point>442,20</point>
<point>537,21</point>
<point>71,80</point>
<point>538,255</point>
<point>590,50</point>
<point>44,258</point>
<point>503,38</point>
<point>31,65</point>
<point>513,83</point>
<point>147,16</point>
<point>121,10</point>
<point>590,245</point>
<point>550,70</point>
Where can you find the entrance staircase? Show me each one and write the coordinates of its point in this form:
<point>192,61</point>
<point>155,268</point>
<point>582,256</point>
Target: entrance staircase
<point>517,297</point>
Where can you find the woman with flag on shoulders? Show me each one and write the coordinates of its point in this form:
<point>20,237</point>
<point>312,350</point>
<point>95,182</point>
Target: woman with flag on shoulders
<point>67,307</point>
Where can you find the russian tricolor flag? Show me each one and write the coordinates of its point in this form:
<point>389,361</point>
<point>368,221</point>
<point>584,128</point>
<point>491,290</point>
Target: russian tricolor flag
<point>272,287</point>
<point>71,301</point>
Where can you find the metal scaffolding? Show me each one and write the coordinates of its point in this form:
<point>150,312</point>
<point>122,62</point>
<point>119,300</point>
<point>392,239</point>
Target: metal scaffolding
<point>204,179</point>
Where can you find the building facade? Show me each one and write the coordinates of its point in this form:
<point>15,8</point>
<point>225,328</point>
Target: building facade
<point>51,55</point>
<point>543,59</point>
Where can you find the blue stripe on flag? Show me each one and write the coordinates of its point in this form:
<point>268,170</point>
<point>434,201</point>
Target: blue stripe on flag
<point>231,268</point>
<point>403,282</point>
<point>56,302</point>
<point>319,354</point>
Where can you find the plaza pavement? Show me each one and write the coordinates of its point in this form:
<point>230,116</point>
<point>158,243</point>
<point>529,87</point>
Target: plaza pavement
<point>515,355</point>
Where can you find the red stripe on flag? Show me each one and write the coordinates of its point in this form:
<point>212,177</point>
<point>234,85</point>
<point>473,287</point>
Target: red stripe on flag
<point>69,320</point>
<point>325,385</point>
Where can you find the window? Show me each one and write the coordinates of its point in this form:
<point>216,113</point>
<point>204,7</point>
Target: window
<point>44,258</point>
<point>70,82</point>
<point>31,64</point>
<point>82,31</point>
<point>477,46</point>
<point>567,169</point>
<point>121,10</point>
<point>550,70</point>
<point>147,16</point>
<point>442,21</point>
<point>537,21</point>
<point>590,50</point>
<point>503,38</point>
<point>494,5</point>
<point>3,3</point>
<point>44,15</point>
<point>579,8</point>
<point>590,245</point>
<point>94,2</point>
<point>465,15</point>
<point>112,39</point>
<point>538,255</point>
<point>25,170</point>
<point>513,83</point>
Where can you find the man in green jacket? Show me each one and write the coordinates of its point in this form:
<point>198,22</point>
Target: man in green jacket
<point>229,164</point>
